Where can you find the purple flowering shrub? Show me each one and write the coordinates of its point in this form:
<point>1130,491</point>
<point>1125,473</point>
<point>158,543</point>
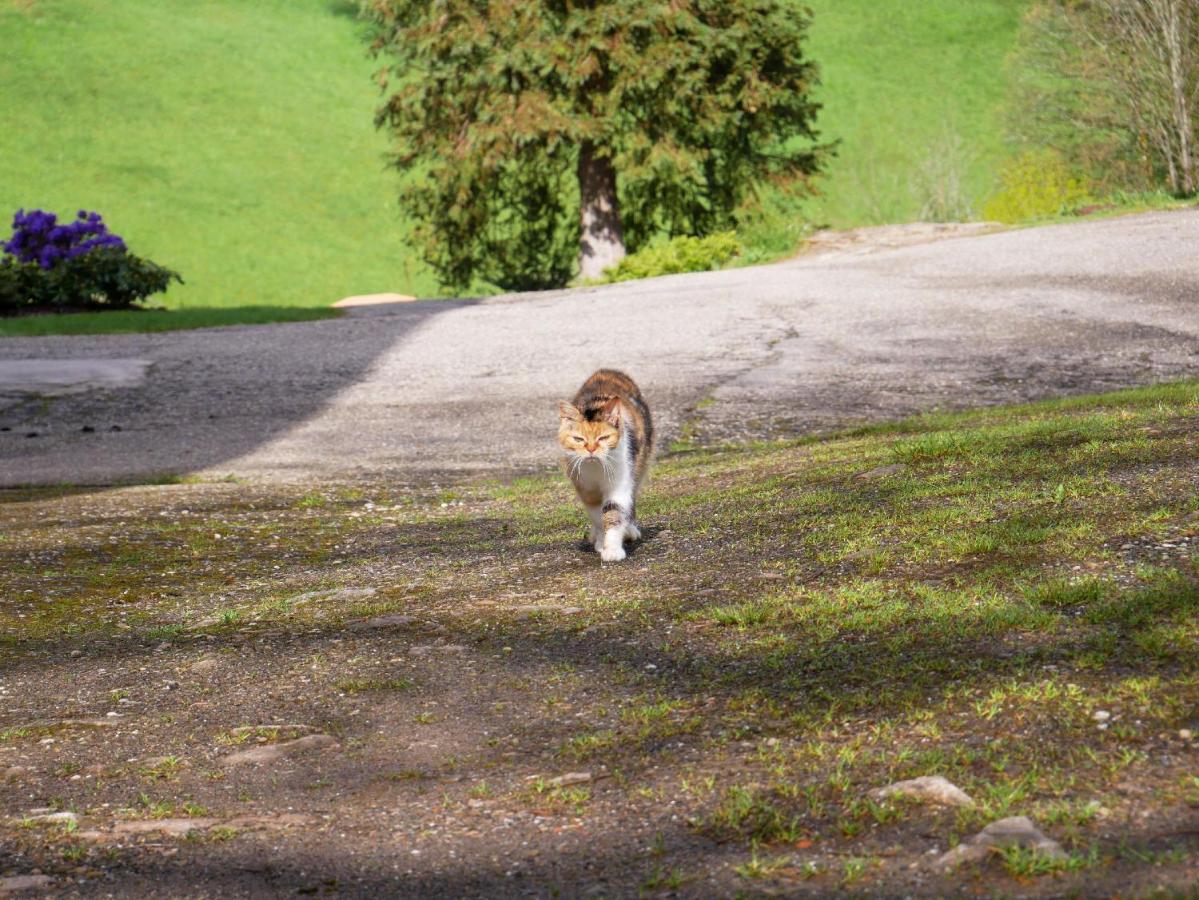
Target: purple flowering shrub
<point>37,237</point>
<point>48,266</point>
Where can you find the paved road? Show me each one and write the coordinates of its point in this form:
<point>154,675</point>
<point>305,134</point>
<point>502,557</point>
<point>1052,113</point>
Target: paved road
<point>819,341</point>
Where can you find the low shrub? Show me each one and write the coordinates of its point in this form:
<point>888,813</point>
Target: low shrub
<point>51,267</point>
<point>681,254</point>
<point>1036,184</point>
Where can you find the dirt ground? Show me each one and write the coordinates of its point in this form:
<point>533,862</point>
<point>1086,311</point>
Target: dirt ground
<point>434,689</point>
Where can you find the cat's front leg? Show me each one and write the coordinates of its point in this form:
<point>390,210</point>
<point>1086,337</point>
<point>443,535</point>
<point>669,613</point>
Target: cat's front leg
<point>595,527</point>
<point>617,515</point>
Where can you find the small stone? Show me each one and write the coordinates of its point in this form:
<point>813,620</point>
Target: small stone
<point>16,883</point>
<point>207,664</point>
<point>932,788</point>
<point>75,654</point>
<point>426,649</point>
<point>269,753</point>
<point>334,594</point>
<point>569,778</point>
<point>1016,831</point>
<point>536,609</point>
<point>1101,715</point>
<point>163,826</point>
<point>391,620</point>
<point>1186,734</point>
<point>881,471</point>
<point>282,820</point>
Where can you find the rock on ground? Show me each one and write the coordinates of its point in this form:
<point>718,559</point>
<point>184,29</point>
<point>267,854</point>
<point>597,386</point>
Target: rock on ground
<point>930,788</point>
<point>569,778</point>
<point>15,884</point>
<point>163,826</point>
<point>269,753</point>
<point>1016,831</point>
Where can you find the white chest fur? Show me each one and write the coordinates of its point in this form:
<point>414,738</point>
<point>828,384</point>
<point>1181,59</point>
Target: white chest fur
<point>614,481</point>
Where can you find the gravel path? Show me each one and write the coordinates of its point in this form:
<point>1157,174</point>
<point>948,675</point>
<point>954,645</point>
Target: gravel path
<point>846,335</point>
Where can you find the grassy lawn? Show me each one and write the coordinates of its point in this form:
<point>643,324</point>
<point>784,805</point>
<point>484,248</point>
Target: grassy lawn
<point>230,141</point>
<point>912,90</point>
<point>158,319</point>
<point>1006,598</point>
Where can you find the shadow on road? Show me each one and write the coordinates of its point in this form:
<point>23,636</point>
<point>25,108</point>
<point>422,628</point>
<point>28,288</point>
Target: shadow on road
<point>211,396</point>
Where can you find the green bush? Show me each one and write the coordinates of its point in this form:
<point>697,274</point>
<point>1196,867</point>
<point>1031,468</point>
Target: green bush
<point>100,279</point>
<point>681,254</point>
<point>1036,184</point>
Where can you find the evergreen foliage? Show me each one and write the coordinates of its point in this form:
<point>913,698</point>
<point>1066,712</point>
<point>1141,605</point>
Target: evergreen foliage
<point>494,104</point>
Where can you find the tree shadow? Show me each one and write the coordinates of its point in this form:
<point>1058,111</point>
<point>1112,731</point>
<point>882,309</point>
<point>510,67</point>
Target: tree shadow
<point>211,396</point>
<point>347,9</point>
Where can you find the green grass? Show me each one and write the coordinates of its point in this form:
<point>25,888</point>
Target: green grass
<point>230,141</point>
<point>903,83</point>
<point>123,321</point>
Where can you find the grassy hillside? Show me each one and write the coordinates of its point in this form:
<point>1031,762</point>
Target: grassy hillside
<point>913,91</point>
<point>232,141</point>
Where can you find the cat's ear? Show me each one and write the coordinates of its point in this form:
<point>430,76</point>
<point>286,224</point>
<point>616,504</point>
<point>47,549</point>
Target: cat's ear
<point>568,412</point>
<point>611,412</point>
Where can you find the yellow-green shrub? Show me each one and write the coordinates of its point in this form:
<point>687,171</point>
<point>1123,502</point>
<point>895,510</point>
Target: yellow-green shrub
<point>1036,184</point>
<point>681,254</point>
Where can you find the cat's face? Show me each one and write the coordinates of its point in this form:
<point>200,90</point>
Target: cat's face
<point>588,439</point>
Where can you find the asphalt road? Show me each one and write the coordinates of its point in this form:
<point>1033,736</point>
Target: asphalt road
<point>810,344</point>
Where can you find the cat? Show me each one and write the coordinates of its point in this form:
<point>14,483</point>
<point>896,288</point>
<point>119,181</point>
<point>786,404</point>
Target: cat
<point>608,437</point>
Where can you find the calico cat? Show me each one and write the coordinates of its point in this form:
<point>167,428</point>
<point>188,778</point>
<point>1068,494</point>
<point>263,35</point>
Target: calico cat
<point>608,437</point>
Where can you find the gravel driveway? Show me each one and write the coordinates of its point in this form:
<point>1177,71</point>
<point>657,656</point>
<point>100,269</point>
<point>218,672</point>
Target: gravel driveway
<point>822,340</point>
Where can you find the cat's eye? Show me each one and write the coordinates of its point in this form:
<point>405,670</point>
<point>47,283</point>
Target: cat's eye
<point>578,439</point>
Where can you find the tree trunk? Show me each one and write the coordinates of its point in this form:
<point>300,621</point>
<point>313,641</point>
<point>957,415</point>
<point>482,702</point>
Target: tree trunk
<point>1175,51</point>
<point>601,239</point>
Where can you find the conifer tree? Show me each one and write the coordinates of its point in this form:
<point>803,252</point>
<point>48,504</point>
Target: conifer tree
<point>540,138</point>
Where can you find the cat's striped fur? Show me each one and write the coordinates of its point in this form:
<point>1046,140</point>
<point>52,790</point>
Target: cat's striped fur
<point>608,438</point>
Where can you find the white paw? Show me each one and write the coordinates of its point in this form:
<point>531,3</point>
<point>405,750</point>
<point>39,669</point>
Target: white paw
<point>598,544</point>
<point>612,554</point>
<point>632,532</point>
